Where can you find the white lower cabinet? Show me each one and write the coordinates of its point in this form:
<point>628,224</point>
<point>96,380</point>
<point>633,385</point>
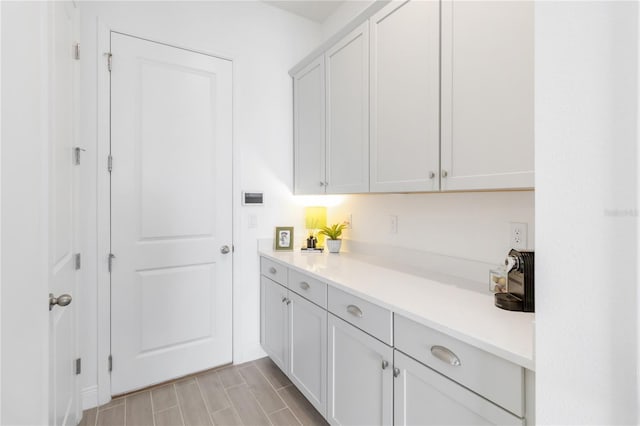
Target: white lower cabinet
<point>308,350</point>
<point>425,397</point>
<point>274,322</point>
<point>293,332</point>
<point>352,377</point>
<point>360,377</point>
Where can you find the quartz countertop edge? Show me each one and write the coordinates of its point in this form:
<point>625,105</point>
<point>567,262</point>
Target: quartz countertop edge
<point>467,315</point>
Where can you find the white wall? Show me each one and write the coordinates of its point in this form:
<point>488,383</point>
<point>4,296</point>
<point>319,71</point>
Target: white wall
<point>25,319</point>
<point>586,212</point>
<point>264,42</point>
<point>474,225</point>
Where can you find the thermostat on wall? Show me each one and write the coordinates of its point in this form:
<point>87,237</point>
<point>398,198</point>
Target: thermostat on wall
<point>252,198</point>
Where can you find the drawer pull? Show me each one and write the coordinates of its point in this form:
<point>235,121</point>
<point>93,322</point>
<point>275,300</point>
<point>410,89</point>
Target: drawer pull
<point>355,311</point>
<point>385,364</point>
<point>273,270</point>
<point>444,354</point>
<point>304,285</point>
<point>396,372</point>
<point>284,299</point>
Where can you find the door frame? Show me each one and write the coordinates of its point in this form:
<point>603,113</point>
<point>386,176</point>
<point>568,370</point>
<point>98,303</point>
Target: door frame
<point>103,198</point>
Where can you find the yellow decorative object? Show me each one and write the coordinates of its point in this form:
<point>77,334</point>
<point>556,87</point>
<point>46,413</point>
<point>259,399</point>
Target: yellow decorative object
<point>314,219</point>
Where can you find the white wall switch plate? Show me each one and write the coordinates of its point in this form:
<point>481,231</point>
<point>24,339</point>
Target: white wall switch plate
<point>518,236</point>
<point>393,224</point>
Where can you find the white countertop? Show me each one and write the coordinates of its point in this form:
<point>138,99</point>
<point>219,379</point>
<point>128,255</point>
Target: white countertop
<point>467,315</point>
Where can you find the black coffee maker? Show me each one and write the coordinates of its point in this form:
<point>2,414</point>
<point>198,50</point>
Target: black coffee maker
<point>520,280</point>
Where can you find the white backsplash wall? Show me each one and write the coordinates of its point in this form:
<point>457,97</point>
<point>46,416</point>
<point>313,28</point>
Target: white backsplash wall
<point>473,225</point>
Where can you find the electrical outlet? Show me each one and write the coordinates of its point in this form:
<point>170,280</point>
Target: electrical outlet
<point>518,236</point>
<point>348,221</point>
<point>393,224</point>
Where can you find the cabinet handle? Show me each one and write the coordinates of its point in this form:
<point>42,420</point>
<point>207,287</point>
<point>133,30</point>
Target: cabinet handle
<point>385,364</point>
<point>284,299</point>
<point>321,183</point>
<point>354,310</point>
<point>273,270</point>
<point>432,175</point>
<point>396,372</point>
<point>288,301</point>
<point>445,174</point>
<point>304,285</point>
<point>445,355</point>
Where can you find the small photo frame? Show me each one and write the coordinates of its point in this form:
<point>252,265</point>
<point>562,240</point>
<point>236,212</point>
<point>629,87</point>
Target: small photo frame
<point>284,238</point>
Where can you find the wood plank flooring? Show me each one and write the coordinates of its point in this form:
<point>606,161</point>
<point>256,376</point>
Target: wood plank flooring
<point>253,394</point>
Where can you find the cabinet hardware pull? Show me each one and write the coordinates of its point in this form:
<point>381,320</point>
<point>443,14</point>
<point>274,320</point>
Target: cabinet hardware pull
<point>354,310</point>
<point>432,175</point>
<point>445,174</point>
<point>304,285</point>
<point>288,301</point>
<point>396,372</point>
<point>273,270</point>
<point>321,183</point>
<point>445,355</point>
<point>385,364</point>
<point>284,299</point>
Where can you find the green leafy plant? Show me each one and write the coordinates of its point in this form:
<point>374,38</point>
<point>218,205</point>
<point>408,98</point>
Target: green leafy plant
<point>334,231</point>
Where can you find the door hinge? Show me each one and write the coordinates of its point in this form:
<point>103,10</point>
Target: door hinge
<point>76,155</point>
<point>111,257</point>
<point>109,60</point>
<point>78,366</point>
<point>109,163</point>
<point>78,261</point>
<point>76,51</point>
<point>110,363</point>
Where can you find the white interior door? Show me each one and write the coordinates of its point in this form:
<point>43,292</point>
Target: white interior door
<point>63,386</point>
<point>171,206</point>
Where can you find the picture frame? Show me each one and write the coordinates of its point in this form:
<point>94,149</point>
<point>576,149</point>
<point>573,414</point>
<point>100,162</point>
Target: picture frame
<point>284,238</point>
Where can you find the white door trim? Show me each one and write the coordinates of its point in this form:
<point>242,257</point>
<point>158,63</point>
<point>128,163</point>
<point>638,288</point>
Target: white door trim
<point>103,230</point>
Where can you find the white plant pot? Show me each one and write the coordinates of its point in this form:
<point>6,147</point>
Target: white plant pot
<point>334,245</point>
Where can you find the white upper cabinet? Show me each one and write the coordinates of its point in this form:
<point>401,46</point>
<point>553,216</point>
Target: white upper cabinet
<point>309,128</point>
<point>487,95</point>
<point>347,137</point>
<point>405,98</point>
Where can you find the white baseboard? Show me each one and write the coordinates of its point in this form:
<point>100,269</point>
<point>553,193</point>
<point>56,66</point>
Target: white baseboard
<point>89,397</point>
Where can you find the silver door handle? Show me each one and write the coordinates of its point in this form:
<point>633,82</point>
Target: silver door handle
<point>354,310</point>
<point>273,270</point>
<point>445,174</point>
<point>396,372</point>
<point>62,300</point>
<point>304,285</point>
<point>446,355</point>
<point>225,249</point>
<point>385,364</point>
<point>432,175</point>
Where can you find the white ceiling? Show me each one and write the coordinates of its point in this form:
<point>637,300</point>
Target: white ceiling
<point>316,10</point>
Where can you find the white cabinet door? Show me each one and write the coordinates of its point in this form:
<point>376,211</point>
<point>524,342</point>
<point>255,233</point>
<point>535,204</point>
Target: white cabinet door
<point>360,377</point>
<point>347,79</point>
<point>308,350</point>
<point>309,128</point>
<point>274,322</point>
<point>424,397</point>
<point>487,95</point>
<point>405,97</point>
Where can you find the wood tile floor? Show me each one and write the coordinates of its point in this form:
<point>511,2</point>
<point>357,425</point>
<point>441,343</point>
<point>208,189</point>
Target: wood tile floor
<point>253,394</point>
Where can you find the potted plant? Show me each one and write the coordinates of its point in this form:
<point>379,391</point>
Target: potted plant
<point>333,234</point>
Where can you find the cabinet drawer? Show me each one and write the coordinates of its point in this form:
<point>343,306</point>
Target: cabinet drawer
<point>368,317</point>
<point>309,288</point>
<point>488,375</point>
<point>273,270</point>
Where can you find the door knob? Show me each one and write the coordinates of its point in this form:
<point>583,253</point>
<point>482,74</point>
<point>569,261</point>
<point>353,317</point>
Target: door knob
<point>62,300</point>
<point>225,249</point>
